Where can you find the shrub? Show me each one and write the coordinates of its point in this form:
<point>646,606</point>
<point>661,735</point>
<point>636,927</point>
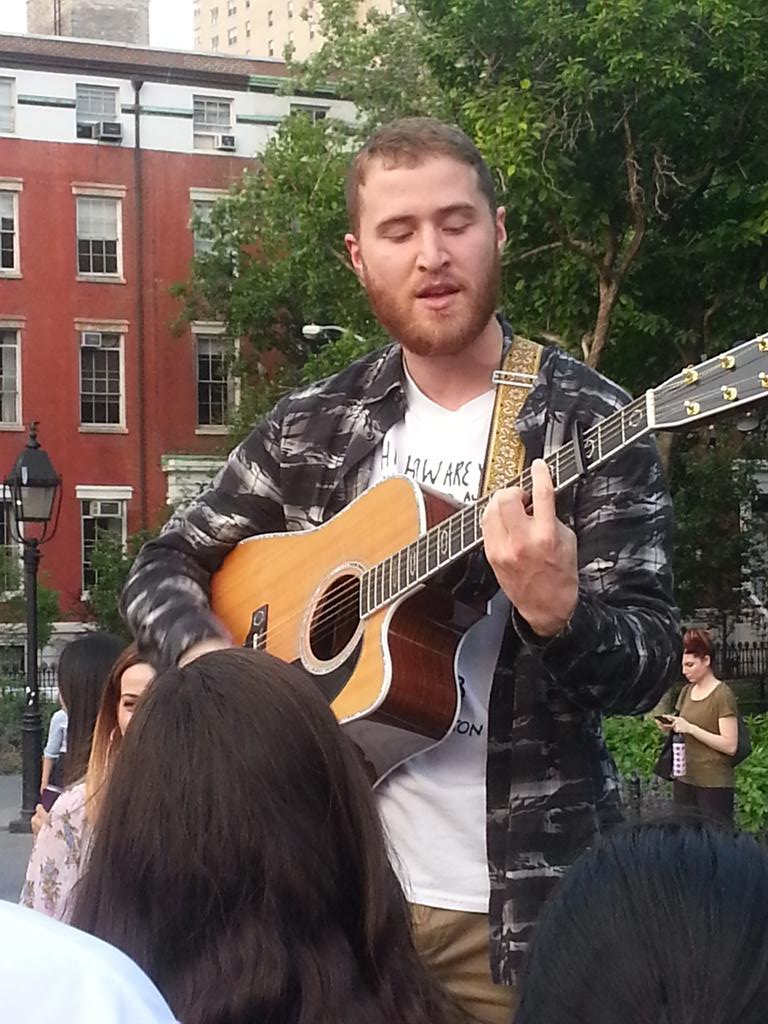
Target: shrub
<point>635,743</point>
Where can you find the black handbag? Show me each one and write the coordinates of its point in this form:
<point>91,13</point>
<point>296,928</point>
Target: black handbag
<point>744,745</point>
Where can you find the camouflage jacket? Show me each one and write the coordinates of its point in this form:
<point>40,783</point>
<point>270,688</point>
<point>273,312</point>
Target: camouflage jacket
<point>551,785</point>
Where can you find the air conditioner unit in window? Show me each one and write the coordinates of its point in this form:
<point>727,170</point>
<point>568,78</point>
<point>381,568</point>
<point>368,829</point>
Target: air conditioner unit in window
<point>110,131</point>
<point>103,507</point>
<point>92,339</point>
<point>226,142</point>
<point>87,130</point>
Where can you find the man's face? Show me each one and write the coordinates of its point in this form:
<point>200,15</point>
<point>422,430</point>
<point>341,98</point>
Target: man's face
<point>428,252</point>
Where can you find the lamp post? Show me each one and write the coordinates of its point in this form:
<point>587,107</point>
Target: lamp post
<point>35,490</point>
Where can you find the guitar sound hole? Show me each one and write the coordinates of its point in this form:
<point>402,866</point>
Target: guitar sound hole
<point>335,619</point>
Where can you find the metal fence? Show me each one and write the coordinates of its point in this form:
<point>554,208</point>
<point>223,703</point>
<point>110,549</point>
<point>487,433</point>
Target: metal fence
<point>742,661</point>
<point>47,677</point>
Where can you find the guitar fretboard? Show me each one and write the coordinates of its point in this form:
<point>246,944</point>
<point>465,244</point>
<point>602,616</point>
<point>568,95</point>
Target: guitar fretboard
<point>462,532</point>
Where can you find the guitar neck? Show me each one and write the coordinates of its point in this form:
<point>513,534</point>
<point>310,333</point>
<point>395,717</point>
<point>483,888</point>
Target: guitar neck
<point>461,533</point>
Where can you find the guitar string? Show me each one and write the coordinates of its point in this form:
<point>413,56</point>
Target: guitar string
<point>347,597</point>
<point>613,427</point>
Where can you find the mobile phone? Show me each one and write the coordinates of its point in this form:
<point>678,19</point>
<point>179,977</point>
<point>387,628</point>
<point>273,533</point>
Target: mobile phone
<point>49,796</point>
<point>664,719</point>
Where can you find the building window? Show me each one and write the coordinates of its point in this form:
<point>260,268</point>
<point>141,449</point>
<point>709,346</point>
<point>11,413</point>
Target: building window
<point>232,36</point>
<point>203,202</point>
<point>101,379</point>
<point>9,235</point>
<point>232,10</point>
<point>197,40</point>
<point>10,570</point>
<point>94,103</point>
<point>212,118</point>
<point>270,48</point>
<point>214,15</point>
<point>98,236</point>
<point>289,38</point>
<point>270,19</point>
<point>289,8</point>
<point>7,107</point>
<point>9,376</point>
<point>247,30</point>
<point>314,113</point>
<point>97,516</point>
<point>214,42</point>
<point>214,386</point>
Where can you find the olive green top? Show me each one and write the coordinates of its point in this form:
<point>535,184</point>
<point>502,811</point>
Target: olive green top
<point>704,766</point>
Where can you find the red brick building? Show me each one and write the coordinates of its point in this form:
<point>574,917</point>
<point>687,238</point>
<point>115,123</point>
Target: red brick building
<point>105,151</point>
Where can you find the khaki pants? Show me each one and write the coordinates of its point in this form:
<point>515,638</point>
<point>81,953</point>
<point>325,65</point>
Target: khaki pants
<point>454,946</point>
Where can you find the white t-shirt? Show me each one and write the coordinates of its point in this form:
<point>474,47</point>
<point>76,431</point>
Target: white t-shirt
<point>50,971</point>
<point>433,806</point>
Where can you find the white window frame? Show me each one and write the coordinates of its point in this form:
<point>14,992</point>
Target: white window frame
<point>204,132</point>
<point>199,196</point>
<point>232,36</point>
<point>83,119</point>
<point>214,15</point>
<point>11,107</point>
<point>13,186</point>
<point>12,546</point>
<point>90,492</point>
<point>15,326</point>
<point>202,329</point>
<point>314,111</point>
<point>119,328</point>
<point>94,191</point>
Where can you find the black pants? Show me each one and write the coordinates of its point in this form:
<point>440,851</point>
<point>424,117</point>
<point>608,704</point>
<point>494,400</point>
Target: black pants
<point>712,803</point>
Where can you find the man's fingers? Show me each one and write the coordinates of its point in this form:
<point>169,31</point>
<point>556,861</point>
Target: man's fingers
<point>543,492</point>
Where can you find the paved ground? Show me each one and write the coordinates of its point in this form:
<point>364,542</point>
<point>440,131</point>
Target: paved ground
<point>14,849</point>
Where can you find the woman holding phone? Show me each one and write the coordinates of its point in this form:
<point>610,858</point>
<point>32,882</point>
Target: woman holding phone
<point>708,719</point>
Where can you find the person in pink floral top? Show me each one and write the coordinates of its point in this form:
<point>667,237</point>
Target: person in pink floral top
<point>61,849</point>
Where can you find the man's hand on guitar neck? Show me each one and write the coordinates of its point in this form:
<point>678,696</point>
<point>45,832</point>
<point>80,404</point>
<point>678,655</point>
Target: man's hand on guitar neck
<point>532,553</point>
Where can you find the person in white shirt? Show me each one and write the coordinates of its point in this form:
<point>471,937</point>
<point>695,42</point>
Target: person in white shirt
<point>49,970</point>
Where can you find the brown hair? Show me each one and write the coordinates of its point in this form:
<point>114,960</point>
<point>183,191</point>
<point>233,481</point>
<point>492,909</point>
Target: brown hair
<point>106,734</point>
<point>699,643</point>
<point>239,857</point>
<point>409,142</point>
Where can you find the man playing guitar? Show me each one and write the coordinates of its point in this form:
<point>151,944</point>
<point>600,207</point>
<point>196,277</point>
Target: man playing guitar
<point>578,593</point>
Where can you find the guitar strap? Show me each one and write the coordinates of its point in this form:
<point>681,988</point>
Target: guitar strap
<point>505,457</point>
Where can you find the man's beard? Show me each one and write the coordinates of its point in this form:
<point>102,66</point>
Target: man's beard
<point>446,333</point>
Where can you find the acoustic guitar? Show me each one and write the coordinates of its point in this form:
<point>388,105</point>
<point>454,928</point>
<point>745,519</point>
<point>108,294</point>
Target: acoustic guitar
<point>357,602</point>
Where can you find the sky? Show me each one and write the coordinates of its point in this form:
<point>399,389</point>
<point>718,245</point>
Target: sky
<point>170,21</point>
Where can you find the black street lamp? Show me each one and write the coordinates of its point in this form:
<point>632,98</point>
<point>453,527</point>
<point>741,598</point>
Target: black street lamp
<point>35,490</point>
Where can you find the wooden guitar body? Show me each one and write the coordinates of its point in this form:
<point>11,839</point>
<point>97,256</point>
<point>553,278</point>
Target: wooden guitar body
<point>389,676</point>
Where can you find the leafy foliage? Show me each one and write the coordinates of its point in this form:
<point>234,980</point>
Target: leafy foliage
<point>717,549</point>
<point>635,743</point>
<point>112,562</point>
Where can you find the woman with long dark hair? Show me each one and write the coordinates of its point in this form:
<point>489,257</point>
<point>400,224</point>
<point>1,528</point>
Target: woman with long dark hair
<point>83,669</point>
<point>238,857</point>
<point>60,852</point>
<point>659,924</point>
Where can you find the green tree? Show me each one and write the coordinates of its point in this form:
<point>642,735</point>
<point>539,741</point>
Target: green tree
<point>111,561</point>
<point>721,537</point>
<point>629,140</point>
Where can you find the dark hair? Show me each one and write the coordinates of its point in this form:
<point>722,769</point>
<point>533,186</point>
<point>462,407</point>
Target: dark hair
<point>409,142</point>
<point>238,857</point>
<point>660,924</point>
<point>84,666</point>
<point>699,643</point>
